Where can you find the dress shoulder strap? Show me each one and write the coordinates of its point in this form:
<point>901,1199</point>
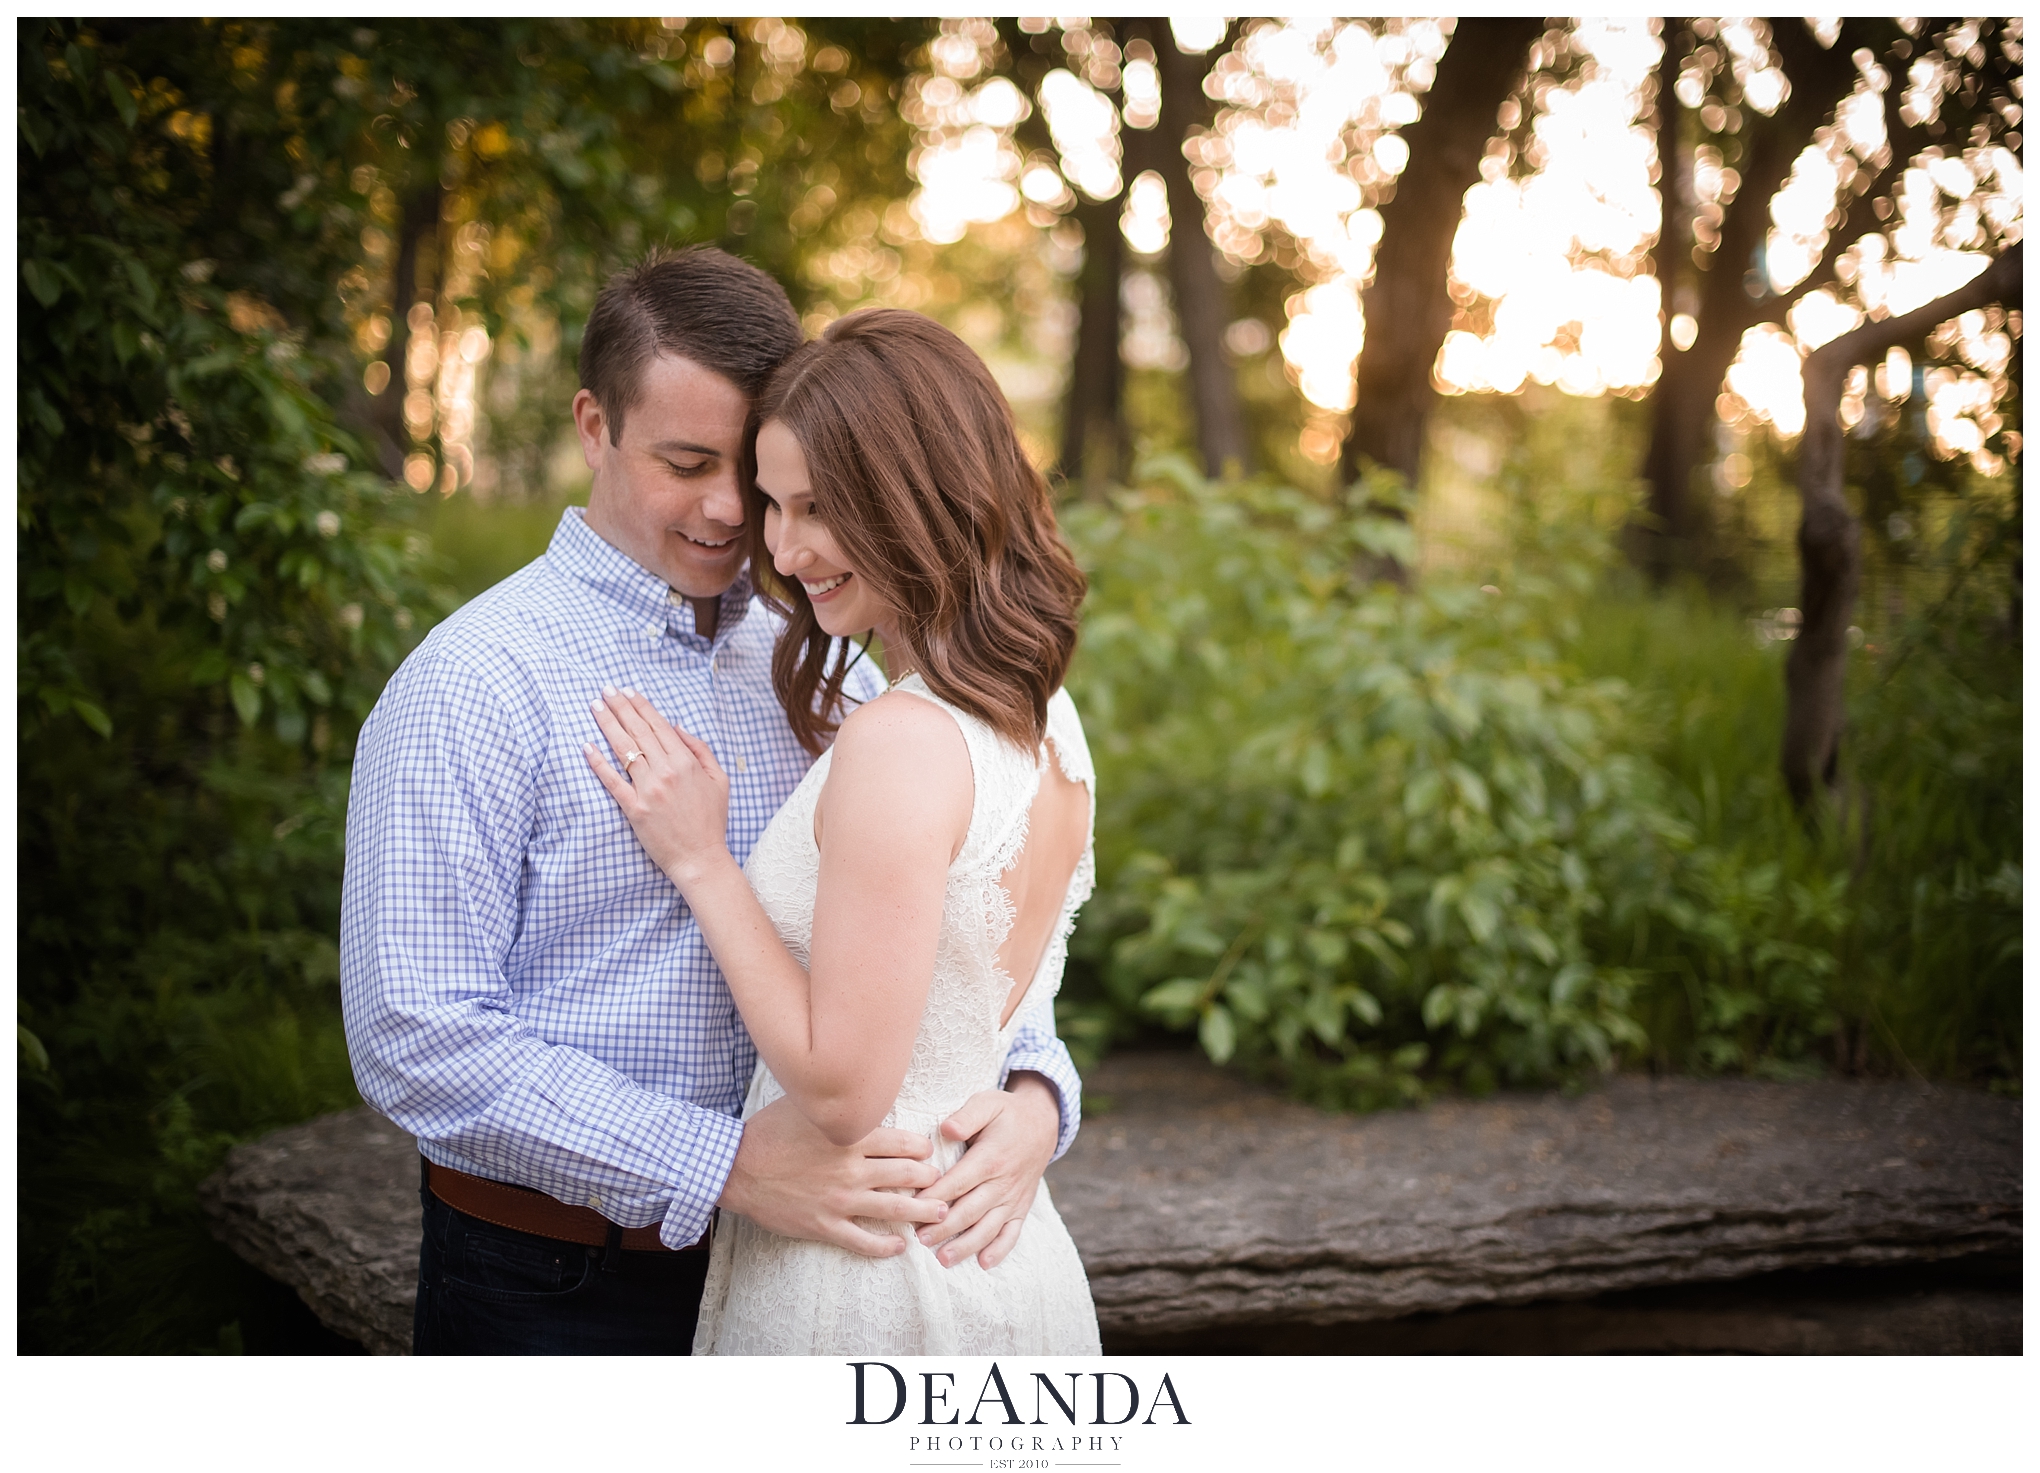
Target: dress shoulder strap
<point>1006,777</point>
<point>1066,731</point>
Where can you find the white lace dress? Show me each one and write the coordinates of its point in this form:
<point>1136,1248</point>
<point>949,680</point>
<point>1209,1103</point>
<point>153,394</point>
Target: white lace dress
<point>768,1295</point>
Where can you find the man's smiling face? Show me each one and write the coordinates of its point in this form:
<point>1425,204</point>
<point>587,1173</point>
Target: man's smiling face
<point>666,493</point>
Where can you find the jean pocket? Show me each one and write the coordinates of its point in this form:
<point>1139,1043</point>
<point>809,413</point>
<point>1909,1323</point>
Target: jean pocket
<point>497,1270</point>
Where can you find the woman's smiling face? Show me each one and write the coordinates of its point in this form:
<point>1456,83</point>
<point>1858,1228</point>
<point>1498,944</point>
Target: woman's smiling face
<point>801,544</point>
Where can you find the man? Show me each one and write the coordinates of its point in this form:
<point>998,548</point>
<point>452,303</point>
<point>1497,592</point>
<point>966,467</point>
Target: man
<point>524,990</point>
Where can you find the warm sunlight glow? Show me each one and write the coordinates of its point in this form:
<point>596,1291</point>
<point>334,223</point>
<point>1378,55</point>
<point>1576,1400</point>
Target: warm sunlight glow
<point>1552,271</point>
<point>1303,145</point>
<point>1550,264</point>
<point>1085,127</point>
<point>964,159</point>
<point>1946,206</point>
<point>1323,340</point>
<point>1145,222</point>
<point>1197,34</point>
<point>1150,340</point>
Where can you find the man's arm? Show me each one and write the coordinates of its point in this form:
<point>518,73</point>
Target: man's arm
<point>789,1179</point>
<point>442,807</point>
<point>1037,1050</point>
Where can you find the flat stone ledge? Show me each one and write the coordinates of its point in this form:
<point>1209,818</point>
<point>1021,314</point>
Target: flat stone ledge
<point>1202,1202</point>
<point>1204,1205</point>
<point>330,1208</point>
<point>1961,1306</point>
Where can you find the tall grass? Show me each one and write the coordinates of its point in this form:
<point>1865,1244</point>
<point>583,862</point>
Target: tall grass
<point>480,543</point>
<point>1904,894</point>
<point>1908,884</point>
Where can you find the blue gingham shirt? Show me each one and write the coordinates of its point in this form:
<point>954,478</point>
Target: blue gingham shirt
<point>525,991</point>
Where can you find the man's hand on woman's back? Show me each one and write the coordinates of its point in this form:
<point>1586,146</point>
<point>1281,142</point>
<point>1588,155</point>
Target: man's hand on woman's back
<point>1012,1135</point>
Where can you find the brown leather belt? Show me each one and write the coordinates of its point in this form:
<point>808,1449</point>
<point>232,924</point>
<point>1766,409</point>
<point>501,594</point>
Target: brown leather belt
<point>527,1211</point>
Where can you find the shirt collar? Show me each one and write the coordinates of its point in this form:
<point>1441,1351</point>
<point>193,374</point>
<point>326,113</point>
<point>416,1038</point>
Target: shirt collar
<point>580,552</point>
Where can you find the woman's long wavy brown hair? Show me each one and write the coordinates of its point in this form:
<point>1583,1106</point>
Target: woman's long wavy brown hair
<point>917,470</point>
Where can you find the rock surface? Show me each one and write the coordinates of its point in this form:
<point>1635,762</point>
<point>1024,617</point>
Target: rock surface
<point>1207,1206</point>
<point>330,1208</point>
<point>1962,1306</point>
<point>1202,1202</point>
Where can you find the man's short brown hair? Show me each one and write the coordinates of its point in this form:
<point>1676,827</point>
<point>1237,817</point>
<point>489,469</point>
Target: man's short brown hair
<point>700,304</point>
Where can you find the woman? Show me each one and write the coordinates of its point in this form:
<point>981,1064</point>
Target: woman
<point>914,895</point>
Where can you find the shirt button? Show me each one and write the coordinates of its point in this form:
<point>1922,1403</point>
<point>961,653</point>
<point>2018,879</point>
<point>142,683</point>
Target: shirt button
<point>655,629</point>
<point>741,764</point>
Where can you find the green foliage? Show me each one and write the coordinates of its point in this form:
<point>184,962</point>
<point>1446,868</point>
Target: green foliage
<point>520,160</point>
<point>1893,922</point>
<point>1745,974</point>
<point>1383,841</point>
<point>1381,838</point>
<point>210,600</point>
<point>184,502</point>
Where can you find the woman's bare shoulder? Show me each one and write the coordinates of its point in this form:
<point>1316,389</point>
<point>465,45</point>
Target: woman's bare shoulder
<point>901,716</point>
<point>904,746</point>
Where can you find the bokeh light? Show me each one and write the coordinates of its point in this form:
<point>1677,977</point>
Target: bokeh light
<point>1150,339</point>
<point>1085,127</point>
<point>1550,265</point>
<point>1145,222</point>
<point>1951,212</point>
<point>1303,144</point>
<point>1552,270</point>
<point>964,159</point>
<point>1197,34</point>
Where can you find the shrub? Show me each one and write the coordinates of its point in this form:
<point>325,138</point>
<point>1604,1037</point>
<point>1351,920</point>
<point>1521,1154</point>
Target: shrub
<point>209,601</point>
<point>1377,837</point>
<point>1382,840</point>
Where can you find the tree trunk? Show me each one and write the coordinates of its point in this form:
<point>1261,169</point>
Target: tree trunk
<point>1830,542</point>
<point>418,222</point>
<point>1730,294</point>
<point>1671,261</point>
<point>1200,295</point>
<point>1734,295</point>
<point>1408,310</point>
<point>1671,255</point>
<point>1094,435</point>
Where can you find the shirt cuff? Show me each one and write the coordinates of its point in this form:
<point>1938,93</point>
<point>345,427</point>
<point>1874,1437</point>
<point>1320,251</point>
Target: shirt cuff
<point>712,1151</point>
<point>1054,1066</point>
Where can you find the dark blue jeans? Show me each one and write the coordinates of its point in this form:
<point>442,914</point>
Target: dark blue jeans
<point>488,1290</point>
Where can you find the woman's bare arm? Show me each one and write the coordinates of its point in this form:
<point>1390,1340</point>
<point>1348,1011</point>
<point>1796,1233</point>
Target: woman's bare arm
<point>838,1035</point>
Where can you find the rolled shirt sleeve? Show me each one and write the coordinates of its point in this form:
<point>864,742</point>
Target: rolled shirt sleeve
<point>1037,1049</point>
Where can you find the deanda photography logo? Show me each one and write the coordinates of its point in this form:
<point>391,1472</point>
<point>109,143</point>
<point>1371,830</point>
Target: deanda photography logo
<point>1006,1417</point>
